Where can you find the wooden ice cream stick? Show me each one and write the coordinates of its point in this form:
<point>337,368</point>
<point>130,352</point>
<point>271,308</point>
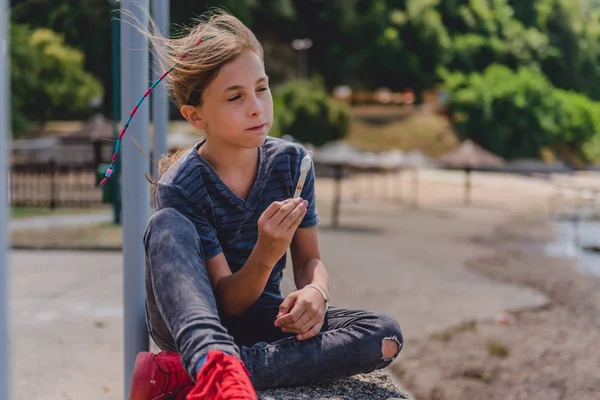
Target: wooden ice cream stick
<point>304,168</point>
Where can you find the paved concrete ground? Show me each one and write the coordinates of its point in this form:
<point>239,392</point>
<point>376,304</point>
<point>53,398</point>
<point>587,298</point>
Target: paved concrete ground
<point>61,220</point>
<point>66,325</point>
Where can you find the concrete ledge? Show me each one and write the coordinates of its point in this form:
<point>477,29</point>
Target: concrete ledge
<point>374,386</point>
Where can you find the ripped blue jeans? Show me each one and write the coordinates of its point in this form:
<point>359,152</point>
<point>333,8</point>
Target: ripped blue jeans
<point>183,316</point>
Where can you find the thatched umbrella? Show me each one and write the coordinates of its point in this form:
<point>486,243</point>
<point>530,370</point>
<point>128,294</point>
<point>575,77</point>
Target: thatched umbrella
<point>470,156</point>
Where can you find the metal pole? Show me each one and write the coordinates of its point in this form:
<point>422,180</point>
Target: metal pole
<point>159,97</point>
<point>415,183</point>
<point>338,171</point>
<point>467,194</point>
<point>5,135</point>
<point>116,71</point>
<point>136,200</point>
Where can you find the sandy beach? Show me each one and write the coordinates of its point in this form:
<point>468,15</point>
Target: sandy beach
<point>545,352</point>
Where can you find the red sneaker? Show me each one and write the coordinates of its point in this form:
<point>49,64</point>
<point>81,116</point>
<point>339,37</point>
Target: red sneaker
<point>222,377</point>
<point>158,376</point>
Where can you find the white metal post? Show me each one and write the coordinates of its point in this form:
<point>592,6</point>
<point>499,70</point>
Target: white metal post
<point>160,101</point>
<point>136,200</point>
<point>5,138</point>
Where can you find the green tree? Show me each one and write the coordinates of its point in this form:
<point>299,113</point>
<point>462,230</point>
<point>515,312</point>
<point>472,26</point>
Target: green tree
<point>562,37</point>
<point>85,25</point>
<point>411,42</point>
<point>574,36</point>
<point>48,77</point>
<point>25,64</point>
<point>487,32</point>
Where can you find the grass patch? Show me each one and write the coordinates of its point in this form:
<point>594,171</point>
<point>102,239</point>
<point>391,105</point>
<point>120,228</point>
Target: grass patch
<point>477,374</point>
<point>381,128</point>
<point>497,349</point>
<point>99,236</point>
<point>448,334</point>
<point>30,212</point>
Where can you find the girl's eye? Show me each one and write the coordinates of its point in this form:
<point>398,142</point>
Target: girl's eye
<point>237,96</point>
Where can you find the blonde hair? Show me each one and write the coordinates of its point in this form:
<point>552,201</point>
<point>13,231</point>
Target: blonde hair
<point>192,74</point>
<point>226,37</point>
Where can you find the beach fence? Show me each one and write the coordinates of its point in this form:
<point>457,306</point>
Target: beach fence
<point>53,185</point>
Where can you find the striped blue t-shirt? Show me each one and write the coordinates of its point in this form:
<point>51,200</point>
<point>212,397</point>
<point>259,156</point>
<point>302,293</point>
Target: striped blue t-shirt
<point>226,222</point>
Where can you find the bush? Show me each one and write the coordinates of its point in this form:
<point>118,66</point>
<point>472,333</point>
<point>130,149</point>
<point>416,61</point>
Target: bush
<point>517,114</point>
<point>304,110</point>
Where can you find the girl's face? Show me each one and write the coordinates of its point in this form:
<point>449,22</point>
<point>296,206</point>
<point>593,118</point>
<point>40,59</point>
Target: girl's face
<point>237,107</point>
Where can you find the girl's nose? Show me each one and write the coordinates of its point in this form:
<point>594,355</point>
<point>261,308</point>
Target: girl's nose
<point>255,107</point>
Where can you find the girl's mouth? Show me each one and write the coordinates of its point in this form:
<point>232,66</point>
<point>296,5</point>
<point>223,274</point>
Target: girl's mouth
<point>257,127</point>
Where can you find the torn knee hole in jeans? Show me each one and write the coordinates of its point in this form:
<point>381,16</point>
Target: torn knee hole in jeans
<point>386,349</point>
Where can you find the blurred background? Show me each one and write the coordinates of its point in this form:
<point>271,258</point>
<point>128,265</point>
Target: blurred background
<point>457,151</point>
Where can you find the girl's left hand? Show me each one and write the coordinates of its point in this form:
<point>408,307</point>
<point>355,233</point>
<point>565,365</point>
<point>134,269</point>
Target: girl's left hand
<point>302,312</point>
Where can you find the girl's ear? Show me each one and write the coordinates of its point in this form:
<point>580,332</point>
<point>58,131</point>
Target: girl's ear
<point>193,116</point>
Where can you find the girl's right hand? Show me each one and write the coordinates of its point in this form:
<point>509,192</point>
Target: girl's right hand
<point>276,227</point>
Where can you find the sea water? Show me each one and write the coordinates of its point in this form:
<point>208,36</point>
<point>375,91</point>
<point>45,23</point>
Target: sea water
<point>573,236</point>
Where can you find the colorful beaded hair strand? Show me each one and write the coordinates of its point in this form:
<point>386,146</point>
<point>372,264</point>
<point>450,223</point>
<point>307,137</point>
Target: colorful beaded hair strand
<point>111,167</point>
